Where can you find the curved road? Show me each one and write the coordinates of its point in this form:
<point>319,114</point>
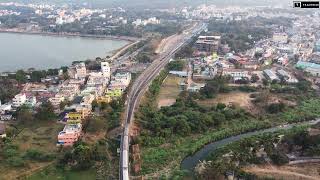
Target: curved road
<point>139,87</point>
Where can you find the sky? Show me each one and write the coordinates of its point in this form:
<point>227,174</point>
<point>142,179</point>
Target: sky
<point>161,3</point>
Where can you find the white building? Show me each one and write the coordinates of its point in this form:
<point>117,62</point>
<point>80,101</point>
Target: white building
<point>81,71</point>
<point>105,69</point>
<point>280,38</point>
<point>19,100</point>
<point>236,74</point>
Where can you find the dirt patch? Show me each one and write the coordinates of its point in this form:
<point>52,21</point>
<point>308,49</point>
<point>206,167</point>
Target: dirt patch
<point>240,99</point>
<point>310,171</point>
<point>169,91</point>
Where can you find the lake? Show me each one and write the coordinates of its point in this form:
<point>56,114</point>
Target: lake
<point>23,51</point>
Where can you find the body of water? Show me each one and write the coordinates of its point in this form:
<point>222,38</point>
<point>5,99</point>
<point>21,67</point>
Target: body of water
<point>190,162</point>
<point>23,51</point>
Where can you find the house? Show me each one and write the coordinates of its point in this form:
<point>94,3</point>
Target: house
<point>313,71</point>
<point>81,71</point>
<point>250,65</point>
<point>280,38</point>
<point>19,100</point>
<point>105,69</point>
<point>271,75</point>
<point>286,76</point>
<point>3,130</point>
<point>70,134</point>
<point>236,74</point>
<point>5,108</point>
<point>179,73</point>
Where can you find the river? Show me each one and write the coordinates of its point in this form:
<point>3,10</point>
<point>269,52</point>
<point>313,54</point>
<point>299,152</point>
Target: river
<point>23,51</point>
<point>190,162</point>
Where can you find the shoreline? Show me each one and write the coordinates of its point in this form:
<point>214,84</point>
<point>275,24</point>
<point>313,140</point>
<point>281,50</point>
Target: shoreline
<point>119,38</point>
<point>130,41</point>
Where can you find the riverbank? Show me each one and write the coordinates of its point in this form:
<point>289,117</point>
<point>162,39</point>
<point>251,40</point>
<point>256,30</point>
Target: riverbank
<point>120,38</point>
<point>53,51</point>
<point>190,162</point>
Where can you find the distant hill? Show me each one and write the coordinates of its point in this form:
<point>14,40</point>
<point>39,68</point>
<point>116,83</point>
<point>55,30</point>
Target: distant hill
<point>161,3</point>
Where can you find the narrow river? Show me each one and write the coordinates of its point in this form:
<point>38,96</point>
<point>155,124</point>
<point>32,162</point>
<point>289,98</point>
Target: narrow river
<point>190,162</point>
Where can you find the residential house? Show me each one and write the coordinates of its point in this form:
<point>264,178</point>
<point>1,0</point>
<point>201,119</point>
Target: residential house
<point>70,134</point>
<point>236,74</point>
<point>19,100</point>
<point>286,76</point>
<point>81,71</point>
<point>271,75</point>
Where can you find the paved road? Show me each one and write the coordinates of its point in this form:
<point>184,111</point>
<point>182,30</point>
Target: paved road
<point>139,87</point>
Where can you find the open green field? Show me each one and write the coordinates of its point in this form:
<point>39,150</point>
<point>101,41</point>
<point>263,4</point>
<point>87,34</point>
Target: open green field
<point>40,136</point>
<point>52,173</point>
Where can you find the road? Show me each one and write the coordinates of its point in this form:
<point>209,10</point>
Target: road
<point>140,86</point>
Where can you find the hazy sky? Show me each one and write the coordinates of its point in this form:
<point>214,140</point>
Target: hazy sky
<point>162,3</point>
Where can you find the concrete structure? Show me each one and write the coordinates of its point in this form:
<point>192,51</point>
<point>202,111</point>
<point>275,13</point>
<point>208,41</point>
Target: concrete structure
<point>19,100</point>
<point>236,74</point>
<point>271,75</point>
<point>105,69</point>
<point>4,108</point>
<point>208,43</point>
<point>280,38</point>
<point>313,71</point>
<point>56,100</point>
<point>305,64</point>
<point>81,71</point>
<point>286,76</point>
<point>70,134</point>
<point>317,46</point>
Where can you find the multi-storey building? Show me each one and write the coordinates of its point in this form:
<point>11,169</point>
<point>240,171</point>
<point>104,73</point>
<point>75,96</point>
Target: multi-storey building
<point>19,100</point>
<point>70,134</point>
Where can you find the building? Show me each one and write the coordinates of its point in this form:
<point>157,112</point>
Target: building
<point>105,69</point>
<point>81,71</point>
<point>4,108</point>
<point>97,79</point>
<point>70,134</point>
<point>236,74</point>
<point>179,73</point>
<point>19,100</point>
<point>56,100</point>
<point>208,43</point>
<point>313,71</point>
<point>305,64</point>
<point>271,75</point>
<point>317,46</point>
<point>286,76</point>
<point>3,130</point>
<point>280,38</point>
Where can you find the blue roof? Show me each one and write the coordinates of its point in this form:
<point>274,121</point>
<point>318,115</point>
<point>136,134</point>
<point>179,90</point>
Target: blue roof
<point>304,64</point>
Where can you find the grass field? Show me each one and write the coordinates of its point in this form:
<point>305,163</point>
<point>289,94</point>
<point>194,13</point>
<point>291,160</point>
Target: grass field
<point>169,91</point>
<point>41,136</point>
<point>52,173</point>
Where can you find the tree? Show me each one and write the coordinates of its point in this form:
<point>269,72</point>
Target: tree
<point>176,65</point>
<point>276,108</point>
<point>21,76</point>
<point>265,82</point>
<point>45,112</point>
<point>255,78</point>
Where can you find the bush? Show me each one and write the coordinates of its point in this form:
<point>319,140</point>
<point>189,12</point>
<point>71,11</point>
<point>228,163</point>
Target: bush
<point>36,155</point>
<point>15,161</point>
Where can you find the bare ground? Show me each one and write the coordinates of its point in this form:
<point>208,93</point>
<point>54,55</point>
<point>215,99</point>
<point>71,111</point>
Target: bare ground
<point>310,171</point>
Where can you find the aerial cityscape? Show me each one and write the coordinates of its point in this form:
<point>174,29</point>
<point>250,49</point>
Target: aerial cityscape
<point>159,89</point>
